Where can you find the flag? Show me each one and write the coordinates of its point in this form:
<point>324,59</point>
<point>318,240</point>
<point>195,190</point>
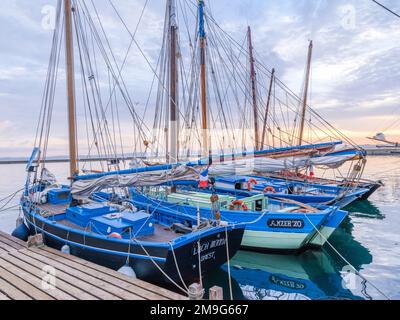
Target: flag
<point>204,179</point>
<point>312,174</point>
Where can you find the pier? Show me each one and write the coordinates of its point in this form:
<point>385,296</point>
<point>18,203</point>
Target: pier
<point>42,273</point>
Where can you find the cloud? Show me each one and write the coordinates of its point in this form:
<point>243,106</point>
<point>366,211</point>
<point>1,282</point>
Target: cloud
<point>5,125</point>
<point>355,72</point>
<point>13,73</point>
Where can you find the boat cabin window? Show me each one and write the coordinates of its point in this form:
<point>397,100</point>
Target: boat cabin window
<point>238,186</point>
<point>259,205</point>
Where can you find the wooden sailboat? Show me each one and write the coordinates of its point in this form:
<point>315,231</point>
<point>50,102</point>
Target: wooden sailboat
<point>306,192</point>
<point>363,188</point>
<point>270,224</point>
<point>106,227</point>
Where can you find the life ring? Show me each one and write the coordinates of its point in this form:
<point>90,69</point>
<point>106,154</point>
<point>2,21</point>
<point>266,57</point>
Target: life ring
<point>269,189</point>
<point>252,182</point>
<point>115,235</point>
<point>307,177</point>
<point>300,211</point>
<point>238,205</point>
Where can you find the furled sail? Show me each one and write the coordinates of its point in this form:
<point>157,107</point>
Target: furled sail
<point>270,165</point>
<point>88,185</point>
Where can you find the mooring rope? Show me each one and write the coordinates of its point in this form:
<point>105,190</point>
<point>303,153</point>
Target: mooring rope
<point>159,268</point>
<point>177,267</point>
<point>8,199</point>
<point>229,264</point>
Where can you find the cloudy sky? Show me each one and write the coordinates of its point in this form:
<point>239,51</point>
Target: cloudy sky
<point>355,76</point>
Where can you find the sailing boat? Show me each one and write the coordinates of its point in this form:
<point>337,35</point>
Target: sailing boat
<point>103,225</point>
<point>363,188</point>
<point>271,224</point>
<point>308,193</point>
<point>272,161</point>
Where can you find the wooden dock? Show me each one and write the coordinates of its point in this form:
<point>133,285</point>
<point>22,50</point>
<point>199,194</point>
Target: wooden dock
<point>25,274</point>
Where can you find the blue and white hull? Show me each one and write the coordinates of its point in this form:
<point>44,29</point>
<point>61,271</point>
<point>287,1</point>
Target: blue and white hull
<point>153,261</point>
<point>270,231</point>
<point>328,228</point>
<point>311,194</point>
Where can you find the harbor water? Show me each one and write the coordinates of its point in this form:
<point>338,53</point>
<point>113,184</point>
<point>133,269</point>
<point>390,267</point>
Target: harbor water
<point>368,241</point>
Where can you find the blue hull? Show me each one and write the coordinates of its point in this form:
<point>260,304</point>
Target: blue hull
<point>328,195</point>
<point>293,230</point>
<point>145,257</point>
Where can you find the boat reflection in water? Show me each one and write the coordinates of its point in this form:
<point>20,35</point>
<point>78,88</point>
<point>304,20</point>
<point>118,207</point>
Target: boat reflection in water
<point>365,209</point>
<point>310,276</point>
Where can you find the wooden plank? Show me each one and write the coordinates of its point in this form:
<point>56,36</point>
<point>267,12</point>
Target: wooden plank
<point>61,284</point>
<point>34,280</point>
<point>3,297</point>
<point>80,274</point>
<point>103,276</point>
<point>3,252</point>
<point>6,248</point>
<point>13,239</point>
<point>153,288</point>
<point>25,286</point>
<point>73,280</point>
<point>170,295</point>
<point>12,292</point>
<point>11,243</point>
<point>93,281</point>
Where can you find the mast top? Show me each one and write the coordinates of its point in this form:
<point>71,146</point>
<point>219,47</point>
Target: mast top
<point>172,13</point>
<point>306,88</point>
<point>202,32</point>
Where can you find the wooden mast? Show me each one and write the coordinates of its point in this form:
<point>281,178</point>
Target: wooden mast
<point>253,91</point>
<point>264,134</point>
<point>204,113</point>
<point>306,85</point>
<point>73,153</point>
<point>173,155</point>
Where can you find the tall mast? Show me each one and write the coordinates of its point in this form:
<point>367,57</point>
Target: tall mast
<point>253,91</point>
<point>73,153</point>
<point>173,156</point>
<point>204,113</point>
<point>306,85</point>
<point>264,134</point>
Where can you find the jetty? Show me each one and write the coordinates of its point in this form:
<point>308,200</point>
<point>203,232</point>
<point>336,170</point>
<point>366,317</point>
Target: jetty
<point>42,273</point>
<point>382,150</point>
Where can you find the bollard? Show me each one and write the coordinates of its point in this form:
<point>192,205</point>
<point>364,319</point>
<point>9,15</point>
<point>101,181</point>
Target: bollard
<point>35,241</point>
<point>216,293</point>
<point>196,292</point>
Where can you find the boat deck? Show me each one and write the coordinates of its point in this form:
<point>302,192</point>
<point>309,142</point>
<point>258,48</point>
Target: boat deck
<point>161,234</point>
<point>28,274</point>
<point>51,210</point>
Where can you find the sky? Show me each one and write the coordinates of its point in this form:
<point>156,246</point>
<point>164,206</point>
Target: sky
<point>355,73</point>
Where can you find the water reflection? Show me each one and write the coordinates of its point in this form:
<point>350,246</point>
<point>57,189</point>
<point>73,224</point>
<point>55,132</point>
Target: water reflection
<point>365,209</point>
<point>351,250</point>
<point>311,275</point>
<point>371,227</point>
